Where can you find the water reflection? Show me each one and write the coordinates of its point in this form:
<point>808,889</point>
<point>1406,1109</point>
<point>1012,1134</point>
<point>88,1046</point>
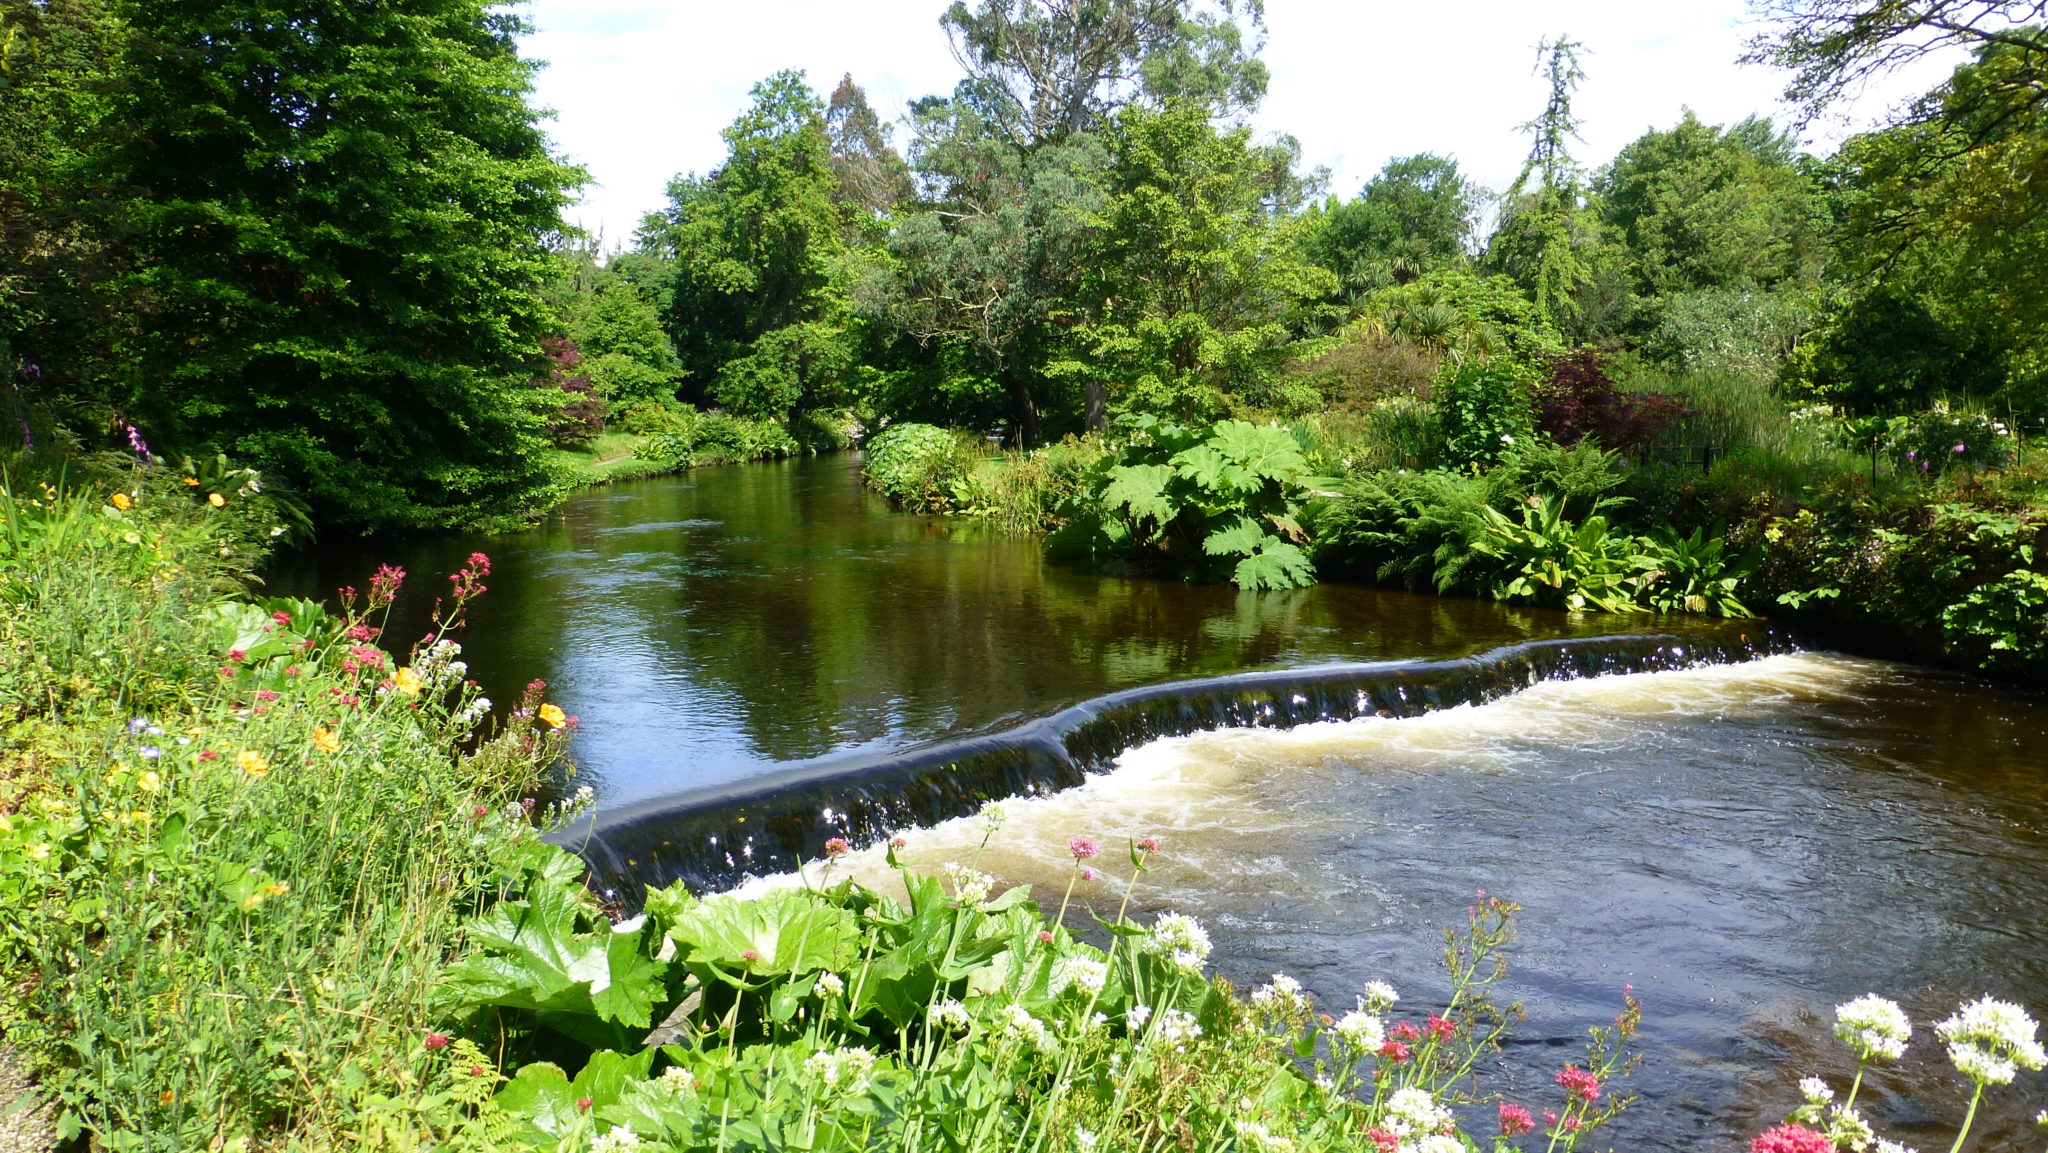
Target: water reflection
<point>710,626</point>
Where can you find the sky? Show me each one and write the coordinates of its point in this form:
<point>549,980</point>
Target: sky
<point>641,88</point>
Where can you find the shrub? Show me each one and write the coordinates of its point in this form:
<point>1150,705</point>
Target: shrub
<point>688,438</point>
<point>919,466</point>
<point>1414,529</point>
<point>1938,442</point>
<point>1212,504</point>
<point>1484,409</point>
<point>1577,399</point>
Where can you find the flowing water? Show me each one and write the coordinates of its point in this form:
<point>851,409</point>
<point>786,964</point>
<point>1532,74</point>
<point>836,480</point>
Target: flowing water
<point>1747,844</point>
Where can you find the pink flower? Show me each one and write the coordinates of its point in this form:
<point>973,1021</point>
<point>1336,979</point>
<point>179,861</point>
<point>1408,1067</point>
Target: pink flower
<point>1394,1051</point>
<point>1962,448</point>
<point>1580,1083</point>
<point>1441,1027</point>
<point>265,695</point>
<point>1406,1031</point>
<point>283,618</point>
<point>1791,1139</point>
<point>436,1041</point>
<point>1384,1141</point>
<point>583,1103</point>
<point>1515,1120</point>
<point>237,655</point>
<point>1045,936</point>
<point>1082,848</point>
<point>1148,844</point>
<point>1088,874</point>
<point>750,955</point>
<point>898,843</point>
<point>208,755</point>
<point>837,847</point>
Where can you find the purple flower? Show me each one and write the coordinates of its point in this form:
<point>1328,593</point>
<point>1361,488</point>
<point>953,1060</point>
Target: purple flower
<point>1961,448</point>
<point>1088,874</point>
<point>152,752</point>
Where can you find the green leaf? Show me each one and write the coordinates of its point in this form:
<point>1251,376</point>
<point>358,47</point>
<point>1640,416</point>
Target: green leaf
<point>780,932</point>
<point>1277,565</point>
<point>1239,537</point>
<point>1140,489</point>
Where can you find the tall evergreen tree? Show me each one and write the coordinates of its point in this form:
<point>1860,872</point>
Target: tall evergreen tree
<point>339,250</point>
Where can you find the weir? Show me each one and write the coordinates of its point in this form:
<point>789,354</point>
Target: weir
<point>713,838</point>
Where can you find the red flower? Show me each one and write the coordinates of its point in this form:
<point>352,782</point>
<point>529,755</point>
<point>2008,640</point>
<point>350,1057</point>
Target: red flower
<point>1580,1083</point>
<point>1441,1027</point>
<point>208,755</point>
<point>1148,844</point>
<point>1791,1139</point>
<point>265,695</point>
<point>1406,1031</point>
<point>237,655</point>
<point>583,1103</point>
<point>1394,1051</point>
<point>751,955</point>
<point>436,1041</point>
<point>1386,1142</point>
<point>283,618</point>
<point>1515,1120</point>
<point>1045,935</point>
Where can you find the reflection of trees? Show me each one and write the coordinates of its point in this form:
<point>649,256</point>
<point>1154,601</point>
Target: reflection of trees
<point>785,603</point>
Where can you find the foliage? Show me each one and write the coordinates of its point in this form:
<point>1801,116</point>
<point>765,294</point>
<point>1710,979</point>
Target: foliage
<point>1885,353</point>
<point>872,175</point>
<point>1417,215</point>
<point>1742,330</point>
<point>681,437</point>
<point>1484,408</point>
<point>579,417</point>
<point>337,242</point>
<point>1554,562</point>
<point>237,833</point>
<point>1577,399</point>
<point>917,465</point>
<point>1415,529</point>
<point>841,1017</point>
<point>754,259</point>
<point>1940,441</point>
<point>1216,503</point>
<point>1692,573</point>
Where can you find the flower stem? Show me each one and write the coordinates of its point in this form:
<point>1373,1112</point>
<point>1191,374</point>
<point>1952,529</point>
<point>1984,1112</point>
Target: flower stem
<point>1969,1119</point>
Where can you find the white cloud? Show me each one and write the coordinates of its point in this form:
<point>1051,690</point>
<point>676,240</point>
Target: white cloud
<point>642,88</point>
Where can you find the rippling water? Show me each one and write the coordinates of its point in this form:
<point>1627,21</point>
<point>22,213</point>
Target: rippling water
<point>1746,845</point>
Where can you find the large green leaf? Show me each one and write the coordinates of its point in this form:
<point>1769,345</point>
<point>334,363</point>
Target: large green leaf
<point>1268,451</point>
<point>1141,489</point>
<point>781,932</point>
<point>1239,537</point>
<point>1277,565</point>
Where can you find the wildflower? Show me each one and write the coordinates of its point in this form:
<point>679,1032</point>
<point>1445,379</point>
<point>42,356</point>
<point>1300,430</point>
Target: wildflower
<point>208,755</point>
<point>1018,1023</point>
<point>1406,1031</point>
<point>1847,1128</point>
<point>191,482</point>
<point>1873,1027</point>
<point>150,752</point>
<point>1181,939</point>
<point>1815,1090</point>
<point>1962,448</point>
<point>1361,1029</point>
<point>1045,936</point>
<point>1514,1120</point>
<point>993,816</point>
<point>677,1080</point>
<point>1884,1146</point>
<point>617,1141</point>
<point>1082,848</point>
<point>841,1068</point>
<point>281,617</point>
<point>1175,1029</point>
<point>948,1014</point>
<point>39,851</point>
<point>1282,988</point>
<point>1439,1143</point>
<point>1256,1138</point>
<point>1089,874</point>
<point>1380,996</point>
<point>1084,1141</point>
<point>1083,973</point>
<point>1148,844</point>
<point>1413,1110</point>
<point>584,1104</point>
<point>120,500</point>
<point>898,843</point>
<point>216,500</point>
<point>237,655</point>
<point>253,763</point>
<point>1989,1041</point>
<point>829,985</point>
<point>150,781</point>
<point>1791,1139</point>
<point>1136,1016</point>
<point>265,695</point>
<point>551,716</point>
<point>326,741</point>
<point>1441,1028</point>
<point>837,847</point>
<point>406,681</point>
<point>1394,1051</point>
<point>969,887</point>
<point>1580,1083</point>
<point>435,1041</point>
<point>1384,1141</point>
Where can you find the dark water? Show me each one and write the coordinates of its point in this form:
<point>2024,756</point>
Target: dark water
<point>1747,845</point>
<point>711,627</point>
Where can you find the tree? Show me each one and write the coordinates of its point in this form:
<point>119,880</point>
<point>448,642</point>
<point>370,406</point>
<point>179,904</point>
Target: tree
<point>1549,239</point>
<point>1700,207</point>
<point>756,256</point>
<point>1045,70</point>
<point>338,247</point>
<point>872,175</point>
<point>1835,48</point>
<point>1416,216</point>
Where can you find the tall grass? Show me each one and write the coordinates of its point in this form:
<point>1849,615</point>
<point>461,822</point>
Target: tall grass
<point>236,839</point>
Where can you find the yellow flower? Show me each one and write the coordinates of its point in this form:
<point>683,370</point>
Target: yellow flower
<point>191,482</point>
<point>252,762</point>
<point>326,741</point>
<point>276,889</point>
<point>408,681</point>
<point>552,715</point>
<point>216,500</point>
<point>39,852</point>
<point>150,781</point>
<point>120,500</point>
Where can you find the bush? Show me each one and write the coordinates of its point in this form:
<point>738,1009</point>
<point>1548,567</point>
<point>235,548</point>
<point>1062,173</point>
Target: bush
<point>246,834</point>
<point>1576,399</point>
<point>838,1017</point>
<point>920,466</point>
<point>1484,407</point>
<point>1414,529</point>
<point>687,438</point>
<point>1938,442</point>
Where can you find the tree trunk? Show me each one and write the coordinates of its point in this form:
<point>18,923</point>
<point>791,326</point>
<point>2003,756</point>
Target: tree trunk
<point>1095,406</point>
<point>1026,411</point>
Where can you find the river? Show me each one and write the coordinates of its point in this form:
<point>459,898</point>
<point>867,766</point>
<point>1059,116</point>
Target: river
<point>1746,844</point>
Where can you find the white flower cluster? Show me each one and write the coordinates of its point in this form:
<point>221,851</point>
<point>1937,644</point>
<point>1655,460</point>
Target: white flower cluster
<point>472,714</point>
<point>993,816</point>
<point>1019,1024</point>
<point>829,985</point>
<point>1412,1112</point>
<point>1380,996</point>
<point>1815,1091</point>
<point>1181,939</point>
<point>1083,973</point>
<point>1176,1029</point>
<point>1362,1029</point>
<point>617,1141</point>
<point>1990,1041</point>
<point>677,1081</point>
<point>969,887</point>
<point>1259,1139</point>
<point>438,667</point>
<point>948,1014</point>
<point>1884,1146</point>
<point>1873,1027</point>
<point>845,1069</point>
<point>1136,1016</point>
<point>1282,990</point>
